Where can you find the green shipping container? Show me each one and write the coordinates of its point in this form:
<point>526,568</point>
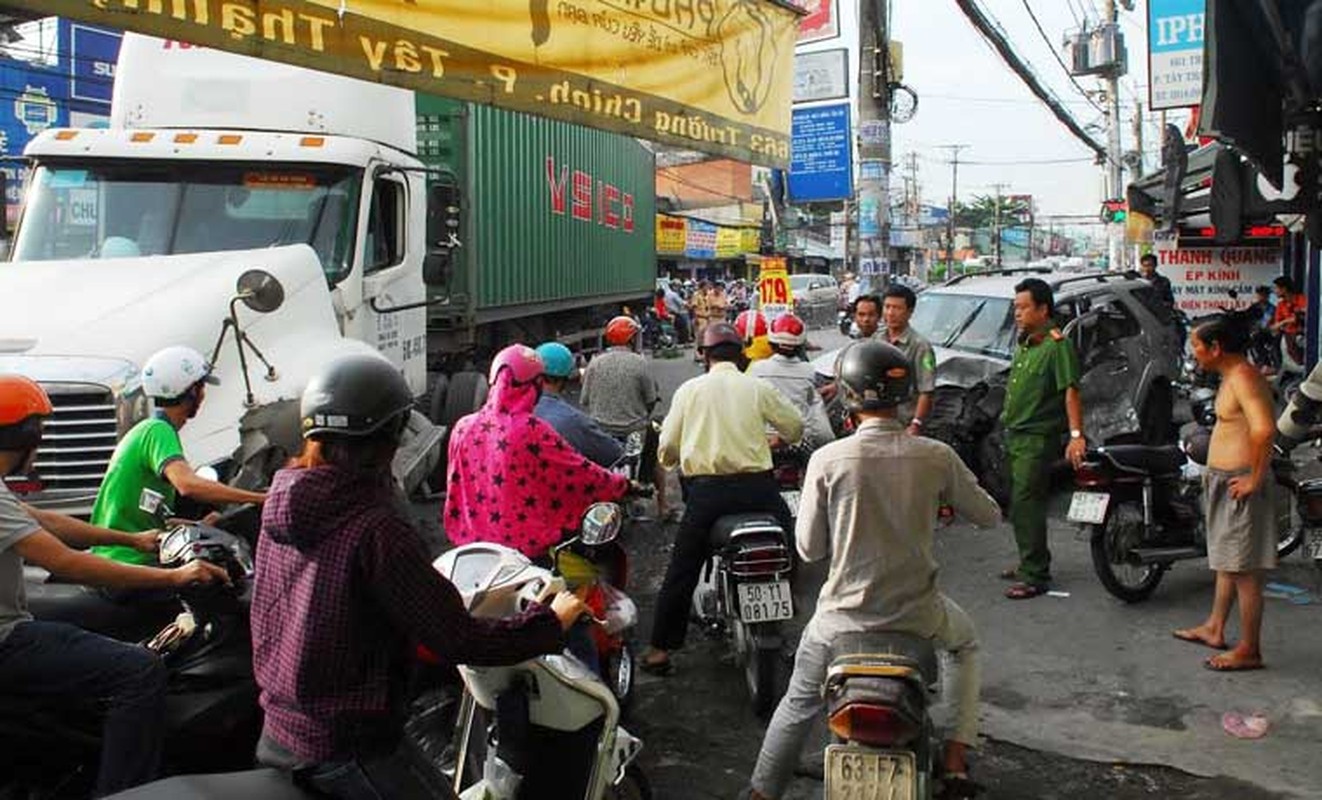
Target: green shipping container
<point>555,216</point>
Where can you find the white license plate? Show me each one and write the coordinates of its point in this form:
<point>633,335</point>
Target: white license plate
<point>853,773</point>
<point>1089,507</point>
<point>765,602</point>
<point>1315,544</point>
<point>791,499</point>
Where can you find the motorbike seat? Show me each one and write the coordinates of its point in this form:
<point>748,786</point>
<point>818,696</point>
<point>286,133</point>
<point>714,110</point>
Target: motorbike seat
<point>888,648</point>
<point>91,610</point>
<point>267,784</point>
<point>730,526</point>
<point>1165,460</point>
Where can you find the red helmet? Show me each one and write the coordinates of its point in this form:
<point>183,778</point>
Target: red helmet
<point>23,404</point>
<point>620,330</point>
<point>751,325</point>
<point>788,331</point>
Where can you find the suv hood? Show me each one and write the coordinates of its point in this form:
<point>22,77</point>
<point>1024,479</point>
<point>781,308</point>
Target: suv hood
<point>953,367</point>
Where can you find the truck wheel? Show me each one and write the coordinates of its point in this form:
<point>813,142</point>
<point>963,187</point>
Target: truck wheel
<point>436,399</point>
<point>466,393</point>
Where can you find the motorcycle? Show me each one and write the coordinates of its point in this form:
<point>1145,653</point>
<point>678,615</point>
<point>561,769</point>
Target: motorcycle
<point>788,465</point>
<point>548,727</point>
<point>845,322</point>
<point>1302,421</point>
<point>1144,506</point>
<point>212,715</point>
<point>744,593</point>
<point>658,335</point>
<point>883,740</point>
<point>596,568</point>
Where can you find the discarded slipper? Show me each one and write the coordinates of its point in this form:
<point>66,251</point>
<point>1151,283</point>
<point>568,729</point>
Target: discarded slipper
<point>1188,635</point>
<point>1026,591</point>
<point>1253,726</point>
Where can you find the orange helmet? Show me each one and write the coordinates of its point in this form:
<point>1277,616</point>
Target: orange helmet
<point>788,331</point>
<point>23,404</point>
<point>620,330</point>
<point>751,325</point>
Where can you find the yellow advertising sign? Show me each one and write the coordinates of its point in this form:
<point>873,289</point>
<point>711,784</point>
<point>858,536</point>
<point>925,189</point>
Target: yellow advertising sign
<point>728,241</point>
<point>773,284</point>
<point>750,240</point>
<point>671,234</point>
<point>710,75</point>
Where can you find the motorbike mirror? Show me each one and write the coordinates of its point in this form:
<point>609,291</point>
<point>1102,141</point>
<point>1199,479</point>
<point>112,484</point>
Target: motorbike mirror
<point>260,291</point>
<point>601,523</point>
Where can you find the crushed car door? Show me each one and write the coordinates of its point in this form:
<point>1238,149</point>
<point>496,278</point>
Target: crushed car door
<point>1105,337</point>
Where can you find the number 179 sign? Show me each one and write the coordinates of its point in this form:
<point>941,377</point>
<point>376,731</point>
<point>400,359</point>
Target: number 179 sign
<point>774,288</point>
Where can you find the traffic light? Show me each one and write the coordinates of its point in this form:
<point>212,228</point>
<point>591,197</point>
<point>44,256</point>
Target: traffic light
<point>1114,210</point>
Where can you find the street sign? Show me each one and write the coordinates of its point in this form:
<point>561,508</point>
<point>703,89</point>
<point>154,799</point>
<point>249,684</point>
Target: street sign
<point>1175,53</point>
<point>93,53</point>
<point>773,285</point>
<point>820,154</point>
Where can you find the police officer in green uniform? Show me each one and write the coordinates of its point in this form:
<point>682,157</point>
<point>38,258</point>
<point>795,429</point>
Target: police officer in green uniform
<point>1041,403</point>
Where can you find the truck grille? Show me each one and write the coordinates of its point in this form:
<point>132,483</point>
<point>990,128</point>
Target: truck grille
<point>78,441</point>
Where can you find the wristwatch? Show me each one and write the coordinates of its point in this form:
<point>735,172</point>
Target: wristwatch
<point>1075,433</point>
<point>916,421</point>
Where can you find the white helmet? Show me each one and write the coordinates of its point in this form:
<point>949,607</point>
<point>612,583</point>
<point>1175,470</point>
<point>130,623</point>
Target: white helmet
<point>171,372</point>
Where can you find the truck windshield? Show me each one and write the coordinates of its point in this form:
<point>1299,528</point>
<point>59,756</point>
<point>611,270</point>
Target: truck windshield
<point>966,322</point>
<point>121,210</point>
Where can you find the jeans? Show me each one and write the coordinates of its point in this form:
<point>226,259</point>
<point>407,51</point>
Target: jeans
<point>63,663</point>
<point>394,775</point>
<point>707,498</point>
<point>803,702</point>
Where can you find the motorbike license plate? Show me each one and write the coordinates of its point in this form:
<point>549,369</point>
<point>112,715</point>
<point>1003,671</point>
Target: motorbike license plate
<point>765,602</point>
<point>853,773</point>
<point>791,499</point>
<point>1315,544</point>
<point>1088,507</point>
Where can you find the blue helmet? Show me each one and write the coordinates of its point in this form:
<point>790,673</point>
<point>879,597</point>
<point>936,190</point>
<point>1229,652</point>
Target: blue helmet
<point>557,359</point>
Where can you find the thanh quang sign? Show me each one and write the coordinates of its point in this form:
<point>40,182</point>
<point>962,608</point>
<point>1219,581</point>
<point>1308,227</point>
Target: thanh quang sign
<point>711,75</point>
<point>1175,53</point>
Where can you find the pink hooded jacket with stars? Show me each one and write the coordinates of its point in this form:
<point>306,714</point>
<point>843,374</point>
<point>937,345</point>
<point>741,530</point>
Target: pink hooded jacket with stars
<point>513,480</point>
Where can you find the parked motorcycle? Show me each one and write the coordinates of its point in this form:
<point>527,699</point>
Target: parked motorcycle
<point>744,593</point>
<point>1300,422</point>
<point>1144,506</point>
<point>546,728</point>
<point>212,715</point>
<point>883,740</point>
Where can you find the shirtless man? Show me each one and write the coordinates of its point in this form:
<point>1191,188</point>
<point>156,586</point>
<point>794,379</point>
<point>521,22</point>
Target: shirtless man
<point>1241,518</point>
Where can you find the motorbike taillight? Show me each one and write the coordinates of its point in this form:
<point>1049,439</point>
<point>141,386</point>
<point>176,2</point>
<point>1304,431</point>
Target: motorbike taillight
<point>875,725</point>
<point>788,476</point>
<point>759,560</point>
<point>1091,473</point>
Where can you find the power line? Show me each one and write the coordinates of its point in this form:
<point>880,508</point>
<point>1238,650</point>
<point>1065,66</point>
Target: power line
<point>1037,24</point>
<point>1001,100</point>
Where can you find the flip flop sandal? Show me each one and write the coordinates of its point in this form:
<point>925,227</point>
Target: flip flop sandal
<point>1025,591</point>
<point>660,669</point>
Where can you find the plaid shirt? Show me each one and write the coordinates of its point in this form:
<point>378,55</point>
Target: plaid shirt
<point>344,589</point>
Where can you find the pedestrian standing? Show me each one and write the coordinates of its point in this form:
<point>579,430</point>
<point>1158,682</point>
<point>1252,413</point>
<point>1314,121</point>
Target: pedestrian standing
<point>1288,321</point>
<point>720,302</point>
<point>1237,488</point>
<point>1041,402</point>
<point>897,306</point>
<point>1147,267</point>
<point>702,313</point>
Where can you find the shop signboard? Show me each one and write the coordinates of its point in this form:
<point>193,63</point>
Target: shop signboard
<point>1202,277</point>
<point>773,284</point>
<point>1175,53</point>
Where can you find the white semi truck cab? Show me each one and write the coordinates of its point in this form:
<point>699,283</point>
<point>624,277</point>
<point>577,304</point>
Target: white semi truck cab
<point>135,237</point>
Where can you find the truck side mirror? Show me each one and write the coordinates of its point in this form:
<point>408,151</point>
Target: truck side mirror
<point>260,291</point>
<point>443,226</point>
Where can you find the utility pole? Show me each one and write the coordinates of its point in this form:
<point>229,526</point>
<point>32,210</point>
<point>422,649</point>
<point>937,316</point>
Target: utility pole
<point>874,138</point>
<point>1138,134</point>
<point>950,207</point>
<point>1114,169</point>
<point>996,226</point>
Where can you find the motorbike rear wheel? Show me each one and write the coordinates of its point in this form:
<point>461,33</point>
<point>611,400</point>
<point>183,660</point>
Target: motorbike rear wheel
<point>762,667</point>
<point>1112,544</point>
<point>619,676</point>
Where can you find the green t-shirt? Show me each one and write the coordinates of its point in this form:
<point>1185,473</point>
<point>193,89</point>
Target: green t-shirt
<point>138,464</point>
<point>1035,394</point>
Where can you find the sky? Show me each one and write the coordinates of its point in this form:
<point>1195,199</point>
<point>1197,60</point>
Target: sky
<point>967,95</point>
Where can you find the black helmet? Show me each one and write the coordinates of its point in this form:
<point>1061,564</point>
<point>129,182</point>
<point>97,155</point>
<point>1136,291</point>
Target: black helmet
<point>873,375</point>
<point>355,395</point>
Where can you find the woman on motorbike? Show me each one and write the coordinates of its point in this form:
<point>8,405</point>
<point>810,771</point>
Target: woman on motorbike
<point>513,480</point>
<point>345,591</point>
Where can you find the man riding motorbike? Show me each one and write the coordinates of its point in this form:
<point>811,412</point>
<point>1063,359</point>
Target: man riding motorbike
<point>150,457</point>
<point>870,502</point>
<point>716,434</point>
<point>513,480</point>
<point>345,589</point>
<point>64,663</point>
<point>795,378</point>
<point>620,393</point>
<point>577,428</point>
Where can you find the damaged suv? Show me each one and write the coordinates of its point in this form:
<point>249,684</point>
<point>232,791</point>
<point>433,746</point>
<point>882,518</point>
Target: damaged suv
<point>1129,352</point>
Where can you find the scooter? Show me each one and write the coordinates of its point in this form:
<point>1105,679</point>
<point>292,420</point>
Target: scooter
<point>788,465</point>
<point>212,715</point>
<point>547,728</point>
<point>883,740</point>
<point>1300,422</point>
<point>744,593</point>
<point>596,568</point>
<point>1143,506</point>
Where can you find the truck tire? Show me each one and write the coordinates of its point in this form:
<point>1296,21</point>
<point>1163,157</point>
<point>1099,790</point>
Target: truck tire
<point>464,393</point>
<point>436,399</point>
